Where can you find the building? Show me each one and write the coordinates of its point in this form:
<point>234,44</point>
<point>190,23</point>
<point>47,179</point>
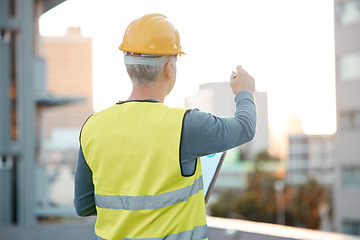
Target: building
<point>23,96</point>
<point>24,101</point>
<point>69,75</point>
<point>347,139</point>
<point>310,156</point>
<point>218,99</point>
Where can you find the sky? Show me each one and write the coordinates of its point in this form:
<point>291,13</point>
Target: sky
<point>286,45</point>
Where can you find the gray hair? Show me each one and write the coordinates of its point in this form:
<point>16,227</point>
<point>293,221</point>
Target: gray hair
<point>144,70</point>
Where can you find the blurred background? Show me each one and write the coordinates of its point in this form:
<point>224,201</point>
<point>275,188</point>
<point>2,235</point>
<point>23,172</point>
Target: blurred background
<point>298,179</point>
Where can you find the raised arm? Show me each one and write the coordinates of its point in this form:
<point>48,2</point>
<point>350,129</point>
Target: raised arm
<point>205,133</point>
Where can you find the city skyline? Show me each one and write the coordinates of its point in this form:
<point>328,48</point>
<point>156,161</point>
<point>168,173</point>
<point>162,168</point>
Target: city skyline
<point>290,56</point>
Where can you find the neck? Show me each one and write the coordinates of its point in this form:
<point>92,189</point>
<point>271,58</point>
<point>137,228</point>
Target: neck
<point>147,92</point>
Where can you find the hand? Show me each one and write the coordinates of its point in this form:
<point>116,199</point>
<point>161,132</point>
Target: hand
<point>241,81</point>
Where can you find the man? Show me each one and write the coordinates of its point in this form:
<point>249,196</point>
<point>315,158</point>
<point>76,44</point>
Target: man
<point>138,168</point>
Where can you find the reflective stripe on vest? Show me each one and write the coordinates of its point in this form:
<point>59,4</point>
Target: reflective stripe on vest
<point>134,203</point>
<point>198,233</point>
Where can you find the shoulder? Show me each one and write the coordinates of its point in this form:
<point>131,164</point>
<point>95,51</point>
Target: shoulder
<point>93,118</point>
<point>195,119</point>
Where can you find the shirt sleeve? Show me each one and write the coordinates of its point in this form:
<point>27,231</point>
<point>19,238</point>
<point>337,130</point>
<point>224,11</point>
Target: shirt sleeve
<point>84,200</point>
<point>204,133</point>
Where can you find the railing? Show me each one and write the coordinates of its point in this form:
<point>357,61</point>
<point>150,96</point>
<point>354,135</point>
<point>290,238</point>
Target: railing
<point>226,229</point>
<point>219,229</point>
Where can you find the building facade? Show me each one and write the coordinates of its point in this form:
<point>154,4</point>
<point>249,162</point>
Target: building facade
<point>347,139</point>
<point>69,74</point>
<point>310,156</point>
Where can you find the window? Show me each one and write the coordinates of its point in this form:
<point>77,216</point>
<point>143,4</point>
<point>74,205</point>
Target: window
<point>348,12</point>
<point>351,227</point>
<point>351,177</point>
<point>357,120</point>
<point>350,121</point>
<point>349,66</point>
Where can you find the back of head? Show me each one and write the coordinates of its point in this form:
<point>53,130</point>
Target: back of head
<point>145,70</point>
<point>148,43</point>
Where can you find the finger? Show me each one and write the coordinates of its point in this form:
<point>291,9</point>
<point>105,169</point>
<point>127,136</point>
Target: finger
<point>239,67</point>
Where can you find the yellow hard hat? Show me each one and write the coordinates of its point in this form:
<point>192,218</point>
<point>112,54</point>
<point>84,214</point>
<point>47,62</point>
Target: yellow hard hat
<point>151,34</point>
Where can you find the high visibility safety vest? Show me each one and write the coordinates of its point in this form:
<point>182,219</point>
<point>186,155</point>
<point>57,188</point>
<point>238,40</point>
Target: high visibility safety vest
<point>133,150</point>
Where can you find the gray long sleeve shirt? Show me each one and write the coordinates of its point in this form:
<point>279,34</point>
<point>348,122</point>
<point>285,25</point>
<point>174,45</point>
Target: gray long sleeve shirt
<point>203,134</point>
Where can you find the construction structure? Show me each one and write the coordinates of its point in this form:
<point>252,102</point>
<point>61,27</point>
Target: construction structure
<point>23,95</point>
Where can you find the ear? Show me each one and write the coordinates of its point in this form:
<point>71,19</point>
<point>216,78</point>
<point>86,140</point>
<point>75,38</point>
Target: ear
<point>167,70</point>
